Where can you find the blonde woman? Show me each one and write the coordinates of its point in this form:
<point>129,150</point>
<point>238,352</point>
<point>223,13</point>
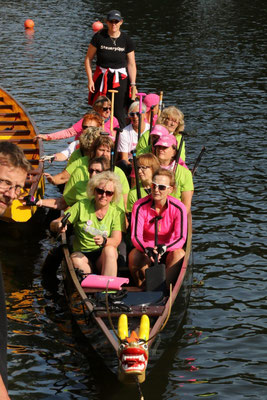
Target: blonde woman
<point>171,118</point>
<point>98,226</point>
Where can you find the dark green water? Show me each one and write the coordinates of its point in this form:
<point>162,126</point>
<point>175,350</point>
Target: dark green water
<point>208,58</point>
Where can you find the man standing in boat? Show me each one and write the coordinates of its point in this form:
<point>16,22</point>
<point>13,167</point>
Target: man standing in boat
<point>13,172</point>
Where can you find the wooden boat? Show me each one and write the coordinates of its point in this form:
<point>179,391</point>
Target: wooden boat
<point>128,350</point>
<point>16,126</point>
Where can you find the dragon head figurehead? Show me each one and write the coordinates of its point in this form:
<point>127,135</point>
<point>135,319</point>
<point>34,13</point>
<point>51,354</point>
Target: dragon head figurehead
<point>133,350</point>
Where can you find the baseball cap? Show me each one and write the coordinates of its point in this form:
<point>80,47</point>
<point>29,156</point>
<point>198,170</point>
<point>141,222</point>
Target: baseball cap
<point>166,141</point>
<point>114,14</point>
<point>159,130</point>
<point>151,100</point>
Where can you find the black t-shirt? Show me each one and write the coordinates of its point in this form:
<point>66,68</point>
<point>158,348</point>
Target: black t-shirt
<point>112,53</point>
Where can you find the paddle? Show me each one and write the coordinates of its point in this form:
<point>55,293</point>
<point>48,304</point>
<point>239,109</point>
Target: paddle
<point>178,154</point>
<point>114,153</point>
<point>140,95</point>
<point>112,91</point>
<point>156,275</point>
<point>136,175</point>
<point>151,123</point>
<point>64,223</point>
<point>160,103</point>
<point>194,169</point>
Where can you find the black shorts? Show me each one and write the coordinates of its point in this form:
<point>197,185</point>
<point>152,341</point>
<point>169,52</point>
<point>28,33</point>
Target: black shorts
<point>92,257</point>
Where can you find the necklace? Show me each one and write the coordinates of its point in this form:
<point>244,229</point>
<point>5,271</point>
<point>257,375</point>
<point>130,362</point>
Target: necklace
<point>114,41</point>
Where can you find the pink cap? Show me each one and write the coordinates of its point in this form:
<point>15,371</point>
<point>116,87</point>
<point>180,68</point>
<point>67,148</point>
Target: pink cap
<point>166,141</point>
<point>159,130</point>
<point>151,100</point>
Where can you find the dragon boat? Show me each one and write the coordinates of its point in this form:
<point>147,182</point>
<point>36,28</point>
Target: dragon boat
<point>16,126</point>
<point>128,327</point>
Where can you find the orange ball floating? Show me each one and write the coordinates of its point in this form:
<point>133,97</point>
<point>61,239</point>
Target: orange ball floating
<point>29,24</point>
<point>97,25</point>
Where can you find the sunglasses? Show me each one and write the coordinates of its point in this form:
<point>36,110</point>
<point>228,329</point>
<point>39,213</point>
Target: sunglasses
<point>101,192</point>
<point>92,170</point>
<point>106,108</point>
<point>85,126</point>
<point>132,114</point>
<point>113,21</point>
<point>160,187</point>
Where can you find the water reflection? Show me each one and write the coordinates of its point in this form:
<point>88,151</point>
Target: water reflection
<point>207,57</point>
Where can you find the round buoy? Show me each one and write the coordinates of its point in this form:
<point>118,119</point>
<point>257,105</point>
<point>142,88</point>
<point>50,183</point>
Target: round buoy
<point>29,24</point>
<point>97,25</point>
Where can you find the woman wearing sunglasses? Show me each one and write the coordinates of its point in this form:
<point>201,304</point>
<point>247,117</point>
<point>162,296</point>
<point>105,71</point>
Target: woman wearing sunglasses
<point>172,229</point>
<point>115,64</point>
<point>102,105</point>
<point>129,136</point>
<point>98,225</point>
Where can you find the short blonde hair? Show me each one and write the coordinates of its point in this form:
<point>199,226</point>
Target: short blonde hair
<point>149,160</point>
<point>106,176</point>
<point>169,174</point>
<point>172,112</point>
<point>88,137</point>
<point>100,141</point>
<point>136,104</point>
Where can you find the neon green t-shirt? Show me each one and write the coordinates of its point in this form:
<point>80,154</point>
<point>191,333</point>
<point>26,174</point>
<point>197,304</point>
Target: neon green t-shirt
<point>132,197</point>
<point>77,163</point>
<point>143,147</point>
<point>75,188</point>
<point>86,224</point>
<point>74,156</point>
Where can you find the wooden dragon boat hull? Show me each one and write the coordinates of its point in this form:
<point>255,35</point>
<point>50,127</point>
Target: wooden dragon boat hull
<point>93,319</point>
<point>16,126</point>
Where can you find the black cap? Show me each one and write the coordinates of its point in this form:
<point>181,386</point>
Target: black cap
<point>114,14</point>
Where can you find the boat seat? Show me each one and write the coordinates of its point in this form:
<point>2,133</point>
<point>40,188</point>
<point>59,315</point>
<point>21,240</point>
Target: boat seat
<point>137,298</point>
<point>14,132</point>
<point>6,106</point>
<point>10,114</point>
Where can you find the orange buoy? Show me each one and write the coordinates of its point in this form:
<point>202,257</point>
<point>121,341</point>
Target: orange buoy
<point>96,26</point>
<point>29,24</point>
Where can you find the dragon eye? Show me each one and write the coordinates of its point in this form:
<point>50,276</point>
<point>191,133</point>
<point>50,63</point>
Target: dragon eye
<point>122,346</point>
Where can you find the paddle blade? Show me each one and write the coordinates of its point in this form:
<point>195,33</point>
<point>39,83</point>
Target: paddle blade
<point>156,278</point>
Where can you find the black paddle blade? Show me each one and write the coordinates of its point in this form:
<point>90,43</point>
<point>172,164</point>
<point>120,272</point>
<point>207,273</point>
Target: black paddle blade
<point>156,278</point>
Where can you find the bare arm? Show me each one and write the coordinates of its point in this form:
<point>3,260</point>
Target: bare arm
<point>91,52</point>
<point>131,66</point>
<point>114,240</point>
<point>58,179</point>
<point>56,225</point>
<point>186,198</point>
<point>57,204</point>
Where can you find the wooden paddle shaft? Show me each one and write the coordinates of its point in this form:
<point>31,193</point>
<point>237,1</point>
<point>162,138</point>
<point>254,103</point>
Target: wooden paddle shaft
<point>160,103</point>
<point>112,91</point>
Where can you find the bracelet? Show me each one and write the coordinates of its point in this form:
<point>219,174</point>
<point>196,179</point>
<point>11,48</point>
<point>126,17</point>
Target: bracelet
<point>104,241</point>
<point>133,84</point>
